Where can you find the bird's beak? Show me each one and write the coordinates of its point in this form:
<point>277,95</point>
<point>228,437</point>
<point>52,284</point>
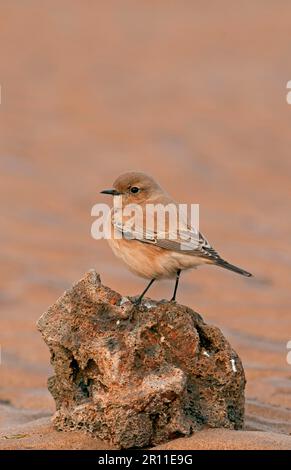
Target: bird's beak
<point>112,192</point>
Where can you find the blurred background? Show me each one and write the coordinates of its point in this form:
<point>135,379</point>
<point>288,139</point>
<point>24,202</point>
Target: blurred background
<point>192,92</point>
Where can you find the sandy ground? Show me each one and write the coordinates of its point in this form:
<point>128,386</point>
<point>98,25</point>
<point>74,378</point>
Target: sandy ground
<point>195,95</point>
<point>39,434</point>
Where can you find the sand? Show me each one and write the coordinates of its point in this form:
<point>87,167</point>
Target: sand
<point>40,434</point>
<point>197,97</point>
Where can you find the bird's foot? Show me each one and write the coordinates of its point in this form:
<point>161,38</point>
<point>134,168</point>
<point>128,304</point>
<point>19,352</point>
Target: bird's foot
<point>137,301</point>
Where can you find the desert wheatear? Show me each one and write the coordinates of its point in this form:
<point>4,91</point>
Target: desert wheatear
<point>147,252</point>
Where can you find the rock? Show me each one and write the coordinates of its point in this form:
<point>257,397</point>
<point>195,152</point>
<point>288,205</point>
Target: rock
<point>138,376</point>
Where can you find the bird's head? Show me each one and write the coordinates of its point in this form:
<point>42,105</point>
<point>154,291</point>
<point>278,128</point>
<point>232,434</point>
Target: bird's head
<point>135,188</point>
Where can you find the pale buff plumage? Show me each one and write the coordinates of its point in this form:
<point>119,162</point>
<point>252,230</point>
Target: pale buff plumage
<point>156,259</point>
<point>151,262</point>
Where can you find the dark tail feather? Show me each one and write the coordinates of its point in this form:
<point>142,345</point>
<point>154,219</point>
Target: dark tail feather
<point>232,267</point>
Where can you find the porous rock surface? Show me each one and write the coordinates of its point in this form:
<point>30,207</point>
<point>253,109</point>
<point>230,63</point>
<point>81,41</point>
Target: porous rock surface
<point>138,376</point>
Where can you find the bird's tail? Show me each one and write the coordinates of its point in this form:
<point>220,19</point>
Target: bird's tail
<point>224,264</point>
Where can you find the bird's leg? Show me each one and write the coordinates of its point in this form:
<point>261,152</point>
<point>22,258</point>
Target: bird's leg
<point>138,301</point>
<point>176,285</point>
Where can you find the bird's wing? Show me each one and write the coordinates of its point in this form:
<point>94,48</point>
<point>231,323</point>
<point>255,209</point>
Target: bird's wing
<point>187,241</point>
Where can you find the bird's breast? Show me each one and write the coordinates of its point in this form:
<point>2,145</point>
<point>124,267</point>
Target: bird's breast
<point>150,261</point>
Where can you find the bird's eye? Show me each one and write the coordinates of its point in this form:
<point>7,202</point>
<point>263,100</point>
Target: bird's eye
<point>134,189</point>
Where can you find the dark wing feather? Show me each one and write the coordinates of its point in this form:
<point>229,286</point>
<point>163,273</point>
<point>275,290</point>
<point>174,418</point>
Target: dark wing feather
<point>188,243</point>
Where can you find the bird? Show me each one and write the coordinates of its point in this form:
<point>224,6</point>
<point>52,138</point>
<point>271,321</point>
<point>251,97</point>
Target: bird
<point>149,253</point>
